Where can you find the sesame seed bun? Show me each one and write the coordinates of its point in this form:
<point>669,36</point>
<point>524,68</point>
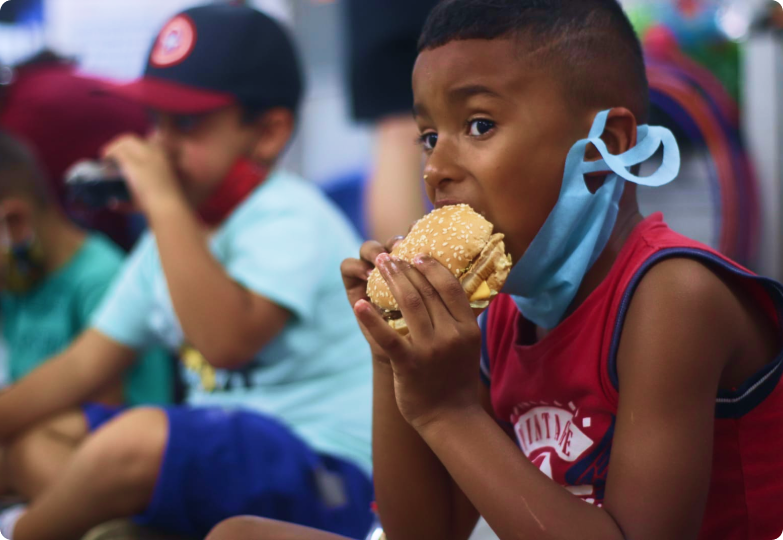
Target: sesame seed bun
<point>462,241</point>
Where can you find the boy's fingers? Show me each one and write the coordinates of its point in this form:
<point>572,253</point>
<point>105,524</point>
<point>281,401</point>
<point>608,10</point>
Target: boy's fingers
<point>355,269</point>
<point>117,144</point>
<point>110,149</point>
<point>118,153</point>
<point>370,251</point>
<point>384,335</point>
<point>111,145</point>
<point>155,138</point>
<point>124,147</point>
<point>449,289</point>
<point>410,300</point>
<point>355,274</point>
<point>392,243</point>
<point>429,294</point>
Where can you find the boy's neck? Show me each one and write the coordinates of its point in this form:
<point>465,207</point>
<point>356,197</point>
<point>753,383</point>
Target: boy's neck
<point>60,239</point>
<point>627,220</point>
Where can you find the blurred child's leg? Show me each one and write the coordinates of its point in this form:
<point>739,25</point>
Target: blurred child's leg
<point>112,475</point>
<point>185,470</point>
<point>223,463</point>
<point>252,528</point>
<point>34,460</point>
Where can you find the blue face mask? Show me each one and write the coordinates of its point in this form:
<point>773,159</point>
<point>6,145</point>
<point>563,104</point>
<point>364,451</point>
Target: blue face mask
<point>545,281</point>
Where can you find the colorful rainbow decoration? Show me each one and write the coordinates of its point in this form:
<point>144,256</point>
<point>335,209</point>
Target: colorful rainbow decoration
<point>699,104</point>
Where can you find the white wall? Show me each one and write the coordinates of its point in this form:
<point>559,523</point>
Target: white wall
<point>19,42</point>
<point>112,37</point>
<point>331,143</point>
<point>763,126</point>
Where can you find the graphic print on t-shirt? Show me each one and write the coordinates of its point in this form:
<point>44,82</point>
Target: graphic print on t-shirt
<point>562,443</point>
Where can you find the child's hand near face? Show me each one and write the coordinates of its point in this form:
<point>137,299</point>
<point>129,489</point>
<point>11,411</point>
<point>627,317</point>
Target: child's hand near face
<point>146,169</point>
<point>355,274</point>
<point>436,367</point>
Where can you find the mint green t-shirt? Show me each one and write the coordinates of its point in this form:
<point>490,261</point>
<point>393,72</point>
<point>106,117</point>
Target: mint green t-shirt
<point>285,242</point>
<point>43,322</point>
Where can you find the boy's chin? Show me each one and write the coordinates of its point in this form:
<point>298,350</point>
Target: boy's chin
<point>197,193</point>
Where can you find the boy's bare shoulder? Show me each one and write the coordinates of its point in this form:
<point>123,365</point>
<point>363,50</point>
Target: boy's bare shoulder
<point>692,311</point>
<point>681,279</point>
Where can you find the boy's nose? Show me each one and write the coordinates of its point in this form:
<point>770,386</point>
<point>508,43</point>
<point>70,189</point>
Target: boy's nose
<point>440,170</point>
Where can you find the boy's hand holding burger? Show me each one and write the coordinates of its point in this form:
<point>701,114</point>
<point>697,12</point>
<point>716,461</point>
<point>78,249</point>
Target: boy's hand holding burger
<point>421,306</point>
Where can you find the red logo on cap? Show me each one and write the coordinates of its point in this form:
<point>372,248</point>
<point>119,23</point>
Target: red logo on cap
<point>175,42</point>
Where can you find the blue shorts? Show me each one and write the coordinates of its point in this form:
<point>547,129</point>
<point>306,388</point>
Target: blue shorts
<point>219,464</point>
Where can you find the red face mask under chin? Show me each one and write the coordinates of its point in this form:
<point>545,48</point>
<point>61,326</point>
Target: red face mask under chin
<point>243,178</point>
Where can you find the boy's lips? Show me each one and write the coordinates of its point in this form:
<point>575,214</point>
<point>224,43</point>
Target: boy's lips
<point>440,203</point>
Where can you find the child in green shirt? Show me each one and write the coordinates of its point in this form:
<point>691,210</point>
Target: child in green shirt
<point>53,275</point>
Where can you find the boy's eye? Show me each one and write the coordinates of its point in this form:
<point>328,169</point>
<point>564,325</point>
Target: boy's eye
<point>182,123</point>
<point>186,123</point>
<point>428,140</point>
<point>481,127</point>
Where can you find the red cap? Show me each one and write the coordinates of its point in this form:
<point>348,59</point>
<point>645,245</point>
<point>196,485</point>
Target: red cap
<point>54,109</point>
<point>167,96</point>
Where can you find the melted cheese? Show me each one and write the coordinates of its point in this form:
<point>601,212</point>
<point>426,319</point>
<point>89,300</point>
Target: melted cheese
<point>482,293</point>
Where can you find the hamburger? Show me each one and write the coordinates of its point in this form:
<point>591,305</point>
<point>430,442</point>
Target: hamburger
<point>461,240</point>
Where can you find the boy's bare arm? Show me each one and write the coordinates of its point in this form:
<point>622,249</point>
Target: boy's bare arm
<point>255,528</point>
<point>683,328</point>
<point>91,363</point>
<point>678,337</point>
<point>226,323</point>
<point>417,499</point>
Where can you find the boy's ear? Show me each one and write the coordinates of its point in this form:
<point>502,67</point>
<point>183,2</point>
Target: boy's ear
<point>619,134</point>
<point>274,129</point>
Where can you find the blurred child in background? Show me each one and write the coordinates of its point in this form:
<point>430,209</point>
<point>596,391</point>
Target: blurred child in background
<point>52,107</point>
<point>53,277</point>
<point>628,385</point>
<point>382,43</point>
<point>239,274</point>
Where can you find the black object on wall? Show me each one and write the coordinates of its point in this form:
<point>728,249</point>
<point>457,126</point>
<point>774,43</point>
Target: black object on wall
<point>21,11</point>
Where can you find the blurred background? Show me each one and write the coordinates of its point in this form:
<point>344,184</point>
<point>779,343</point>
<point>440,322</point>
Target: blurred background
<point>716,72</point>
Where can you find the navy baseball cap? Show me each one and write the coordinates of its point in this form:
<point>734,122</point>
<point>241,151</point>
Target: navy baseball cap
<point>212,56</point>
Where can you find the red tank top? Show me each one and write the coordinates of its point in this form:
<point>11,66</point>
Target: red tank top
<point>559,395</point>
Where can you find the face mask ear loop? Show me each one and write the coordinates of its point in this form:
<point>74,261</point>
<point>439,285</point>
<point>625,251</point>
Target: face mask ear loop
<point>649,139</point>
<point>669,169</point>
<point>646,148</point>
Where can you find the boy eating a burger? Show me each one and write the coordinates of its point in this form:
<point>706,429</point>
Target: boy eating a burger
<point>237,277</point>
<point>627,384</point>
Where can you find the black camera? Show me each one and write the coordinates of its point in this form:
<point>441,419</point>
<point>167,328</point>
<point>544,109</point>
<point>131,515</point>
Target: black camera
<point>96,184</point>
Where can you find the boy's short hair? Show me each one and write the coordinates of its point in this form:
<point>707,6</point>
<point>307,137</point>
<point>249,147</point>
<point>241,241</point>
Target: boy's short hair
<point>20,174</point>
<point>590,43</point>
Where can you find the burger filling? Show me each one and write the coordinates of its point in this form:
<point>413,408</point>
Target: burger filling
<point>479,299</point>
